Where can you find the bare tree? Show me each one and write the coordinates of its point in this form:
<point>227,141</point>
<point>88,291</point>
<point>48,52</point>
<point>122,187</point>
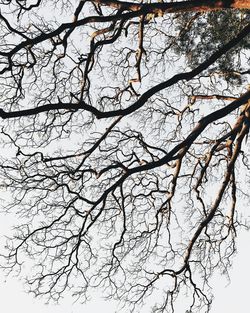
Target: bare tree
<point>126,129</point>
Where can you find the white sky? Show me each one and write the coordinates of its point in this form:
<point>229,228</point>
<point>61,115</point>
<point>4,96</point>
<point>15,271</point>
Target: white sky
<point>230,299</point>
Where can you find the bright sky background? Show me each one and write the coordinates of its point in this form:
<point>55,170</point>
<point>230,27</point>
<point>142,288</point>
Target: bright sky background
<point>230,299</point>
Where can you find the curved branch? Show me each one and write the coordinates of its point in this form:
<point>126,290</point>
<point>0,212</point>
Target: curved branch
<point>143,99</point>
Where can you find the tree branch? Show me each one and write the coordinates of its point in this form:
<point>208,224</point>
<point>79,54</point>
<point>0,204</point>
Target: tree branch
<point>143,99</point>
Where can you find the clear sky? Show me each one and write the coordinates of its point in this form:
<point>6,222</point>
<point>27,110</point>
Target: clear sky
<point>231,299</point>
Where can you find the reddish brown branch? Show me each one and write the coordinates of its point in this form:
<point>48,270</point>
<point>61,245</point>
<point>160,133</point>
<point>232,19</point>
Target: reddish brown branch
<point>174,7</point>
<point>193,98</point>
<point>230,171</point>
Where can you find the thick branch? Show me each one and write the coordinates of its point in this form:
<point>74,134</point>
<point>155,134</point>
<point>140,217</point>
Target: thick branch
<point>143,99</point>
<point>174,7</point>
<point>220,194</point>
<point>179,150</point>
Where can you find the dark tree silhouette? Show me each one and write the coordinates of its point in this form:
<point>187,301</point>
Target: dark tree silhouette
<point>126,136</point>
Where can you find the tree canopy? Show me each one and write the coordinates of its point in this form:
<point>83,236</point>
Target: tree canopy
<point>124,128</point>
